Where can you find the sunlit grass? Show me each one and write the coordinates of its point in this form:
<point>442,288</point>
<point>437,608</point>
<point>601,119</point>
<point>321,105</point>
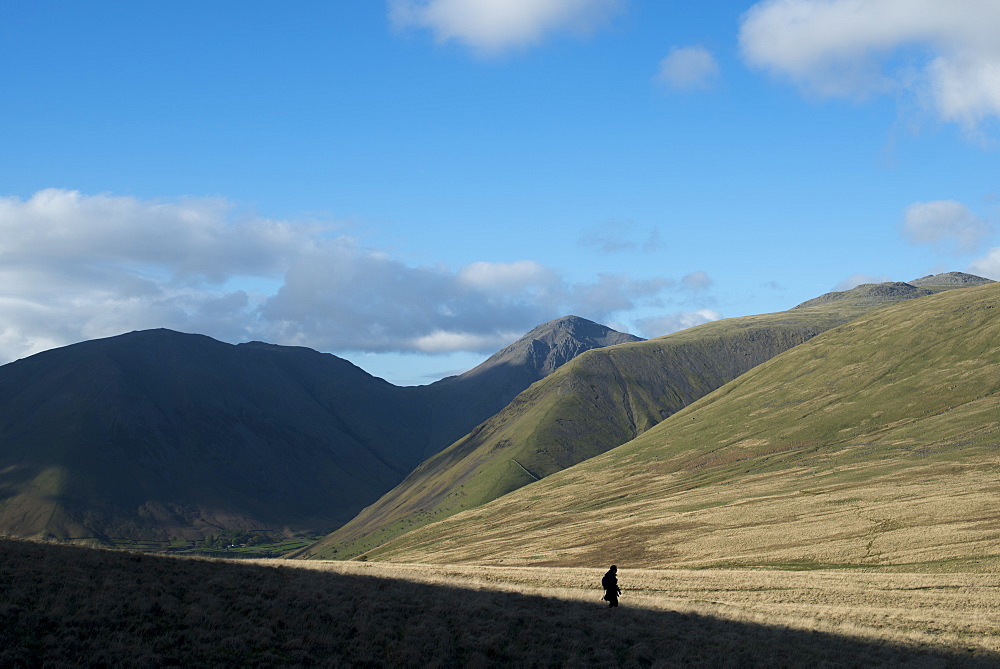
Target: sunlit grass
<point>959,611</point>
<point>64,606</point>
<point>874,444</point>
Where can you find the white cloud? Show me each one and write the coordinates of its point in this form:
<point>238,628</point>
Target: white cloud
<point>688,68</point>
<point>988,266</point>
<point>491,26</point>
<point>197,239</point>
<point>944,52</point>
<point>664,325</point>
<point>447,342</point>
<point>945,224</point>
<point>348,298</point>
<point>613,293</point>
<point>505,277</point>
<point>75,267</point>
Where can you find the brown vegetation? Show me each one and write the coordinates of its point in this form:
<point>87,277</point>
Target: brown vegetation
<point>70,606</point>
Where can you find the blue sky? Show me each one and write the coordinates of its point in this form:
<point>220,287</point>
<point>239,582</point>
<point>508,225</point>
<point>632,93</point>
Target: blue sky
<point>413,184</point>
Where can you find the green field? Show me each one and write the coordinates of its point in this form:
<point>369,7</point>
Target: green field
<point>225,544</point>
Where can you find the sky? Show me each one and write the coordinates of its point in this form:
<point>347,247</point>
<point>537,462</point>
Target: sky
<point>414,184</point>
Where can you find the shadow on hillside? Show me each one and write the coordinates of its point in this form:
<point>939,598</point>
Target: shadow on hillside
<point>67,606</point>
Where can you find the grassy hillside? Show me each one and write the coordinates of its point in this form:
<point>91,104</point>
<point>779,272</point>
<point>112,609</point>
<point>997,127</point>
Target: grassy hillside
<point>67,606</point>
<point>603,398</point>
<point>875,443</point>
<point>459,403</point>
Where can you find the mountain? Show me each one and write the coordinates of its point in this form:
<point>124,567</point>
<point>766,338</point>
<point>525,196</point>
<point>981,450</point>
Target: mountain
<point>159,435</point>
<point>949,281</point>
<point>462,402</point>
<point>890,292</point>
<point>870,295</point>
<point>599,400</point>
<point>872,444</point>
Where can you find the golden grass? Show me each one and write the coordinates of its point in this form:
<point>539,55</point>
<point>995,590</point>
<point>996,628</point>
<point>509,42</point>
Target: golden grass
<point>70,606</point>
<point>957,612</point>
<point>922,521</point>
<point>838,452</point>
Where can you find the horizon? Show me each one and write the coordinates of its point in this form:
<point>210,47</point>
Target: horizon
<point>485,357</point>
<point>413,185</point>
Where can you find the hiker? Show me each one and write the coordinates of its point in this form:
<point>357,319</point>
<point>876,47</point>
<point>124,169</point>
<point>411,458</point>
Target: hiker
<point>611,589</point>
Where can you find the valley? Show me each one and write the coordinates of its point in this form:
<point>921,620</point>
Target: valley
<point>872,444</point>
<point>388,334</point>
<point>607,397</point>
<point>739,442</point>
<point>834,500</point>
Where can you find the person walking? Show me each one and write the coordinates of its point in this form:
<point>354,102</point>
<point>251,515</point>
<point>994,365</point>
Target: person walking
<point>610,585</point>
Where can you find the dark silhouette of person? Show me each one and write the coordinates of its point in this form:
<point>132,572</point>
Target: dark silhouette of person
<point>611,589</point>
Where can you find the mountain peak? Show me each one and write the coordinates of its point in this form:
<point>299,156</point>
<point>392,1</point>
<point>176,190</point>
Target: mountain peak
<point>890,292</point>
<point>487,388</point>
<point>554,343</point>
<point>869,294</point>
<point>949,280</point>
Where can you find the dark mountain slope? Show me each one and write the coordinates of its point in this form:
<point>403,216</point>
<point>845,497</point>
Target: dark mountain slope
<point>161,434</point>
<point>462,402</point>
<point>874,444</point>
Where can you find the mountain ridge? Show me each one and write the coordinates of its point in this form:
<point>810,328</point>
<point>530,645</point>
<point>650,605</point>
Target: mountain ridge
<point>162,435</point>
<point>127,437</point>
<point>872,444</point>
<point>598,401</point>
<point>488,387</point>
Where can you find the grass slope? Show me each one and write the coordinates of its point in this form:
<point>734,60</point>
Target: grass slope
<point>68,606</point>
<point>459,403</point>
<point>600,400</point>
<point>875,443</point>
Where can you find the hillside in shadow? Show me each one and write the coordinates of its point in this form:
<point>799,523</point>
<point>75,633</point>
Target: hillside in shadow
<point>64,605</point>
<point>159,435</point>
